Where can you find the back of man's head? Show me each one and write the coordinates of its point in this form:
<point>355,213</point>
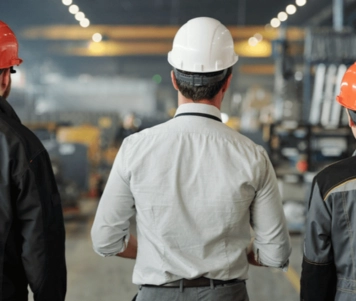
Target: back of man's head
<point>202,57</point>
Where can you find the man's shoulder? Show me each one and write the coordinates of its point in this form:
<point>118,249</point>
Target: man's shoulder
<point>221,132</point>
<point>336,174</point>
<point>154,130</point>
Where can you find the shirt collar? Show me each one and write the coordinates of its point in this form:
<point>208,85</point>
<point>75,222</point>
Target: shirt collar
<point>198,108</point>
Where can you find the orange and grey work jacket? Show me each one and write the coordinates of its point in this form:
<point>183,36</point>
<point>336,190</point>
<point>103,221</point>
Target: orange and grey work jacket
<point>31,220</point>
<point>329,263</point>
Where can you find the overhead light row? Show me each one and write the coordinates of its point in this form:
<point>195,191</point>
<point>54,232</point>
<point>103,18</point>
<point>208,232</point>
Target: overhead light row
<point>282,16</point>
<point>81,18</point>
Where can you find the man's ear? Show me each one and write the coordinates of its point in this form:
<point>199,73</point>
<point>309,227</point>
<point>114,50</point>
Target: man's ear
<point>174,81</point>
<point>4,81</point>
<point>351,123</point>
<point>227,84</point>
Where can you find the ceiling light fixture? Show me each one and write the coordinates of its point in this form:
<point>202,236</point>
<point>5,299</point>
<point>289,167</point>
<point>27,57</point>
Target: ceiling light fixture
<point>73,9</point>
<point>291,9</point>
<point>84,23</point>
<point>301,2</point>
<point>67,2</point>
<point>252,41</point>
<point>258,36</point>
<point>97,37</point>
<point>275,23</point>
<point>282,16</point>
<point>79,16</point>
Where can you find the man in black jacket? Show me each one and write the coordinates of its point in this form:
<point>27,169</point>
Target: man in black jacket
<point>32,235</point>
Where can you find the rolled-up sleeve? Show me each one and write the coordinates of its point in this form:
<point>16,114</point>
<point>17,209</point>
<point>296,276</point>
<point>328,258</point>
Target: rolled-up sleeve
<point>110,231</point>
<point>272,245</point>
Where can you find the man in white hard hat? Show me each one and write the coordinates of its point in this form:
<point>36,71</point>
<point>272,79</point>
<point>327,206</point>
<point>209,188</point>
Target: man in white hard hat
<point>195,186</point>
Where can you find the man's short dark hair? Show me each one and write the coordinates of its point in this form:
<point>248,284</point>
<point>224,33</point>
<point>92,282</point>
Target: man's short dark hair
<point>208,91</point>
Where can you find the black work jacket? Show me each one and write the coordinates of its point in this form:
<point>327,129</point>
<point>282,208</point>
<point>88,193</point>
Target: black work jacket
<point>32,235</point>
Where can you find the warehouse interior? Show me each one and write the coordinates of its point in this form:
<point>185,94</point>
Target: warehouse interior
<point>96,71</point>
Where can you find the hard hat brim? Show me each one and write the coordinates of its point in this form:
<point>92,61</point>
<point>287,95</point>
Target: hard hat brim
<point>14,62</point>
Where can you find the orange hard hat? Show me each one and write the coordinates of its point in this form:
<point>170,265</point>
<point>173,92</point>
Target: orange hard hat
<point>347,95</point>
<point>9,47</point>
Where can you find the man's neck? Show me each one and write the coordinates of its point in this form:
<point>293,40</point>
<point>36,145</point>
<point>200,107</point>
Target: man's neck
<point>213,102</point>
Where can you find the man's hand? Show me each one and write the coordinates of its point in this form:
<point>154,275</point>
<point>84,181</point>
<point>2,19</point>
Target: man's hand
<point>251,255</point>
<point>251,259</point>
<point>131,250</point>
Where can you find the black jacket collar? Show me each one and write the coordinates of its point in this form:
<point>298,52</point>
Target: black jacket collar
<point>6,108</point>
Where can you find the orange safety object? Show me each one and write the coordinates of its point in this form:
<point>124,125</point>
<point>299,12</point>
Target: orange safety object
<point>9,47</point>
<point>347,96</point>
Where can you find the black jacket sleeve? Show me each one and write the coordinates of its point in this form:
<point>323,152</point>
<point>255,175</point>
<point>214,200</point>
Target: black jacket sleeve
<point>39,213</point>
<point>318,279</point>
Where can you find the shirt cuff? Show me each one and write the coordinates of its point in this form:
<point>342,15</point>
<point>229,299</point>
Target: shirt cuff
<point>283,267</point>
<point>114,253</point>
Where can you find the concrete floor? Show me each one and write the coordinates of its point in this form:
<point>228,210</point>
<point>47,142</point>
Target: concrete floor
<point>93,278</point>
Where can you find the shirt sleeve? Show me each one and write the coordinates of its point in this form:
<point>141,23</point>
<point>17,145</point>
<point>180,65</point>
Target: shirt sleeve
<point>272,245</point>
<point>40,218</point>
<point>318,280</point>
<point>110,230</point>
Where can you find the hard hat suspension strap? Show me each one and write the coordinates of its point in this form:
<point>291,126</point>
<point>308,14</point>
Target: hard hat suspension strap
<point>198,79</point>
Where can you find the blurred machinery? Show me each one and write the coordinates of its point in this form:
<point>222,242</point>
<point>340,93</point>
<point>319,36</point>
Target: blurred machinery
<point>69,163</point>
<point>76,154</point>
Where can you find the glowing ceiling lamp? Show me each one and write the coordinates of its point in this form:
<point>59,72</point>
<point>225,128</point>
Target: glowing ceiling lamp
<point>258,36</point>
<point>84,23</point>
<point>291,9</point>
<point>282,16</point>
<point>79,16</point>
<point>67,2</point>
<point>97,37</point>
<point>73,9</point>
<point>252,41</point>
<point>301,2</point>
<point>275,23</point>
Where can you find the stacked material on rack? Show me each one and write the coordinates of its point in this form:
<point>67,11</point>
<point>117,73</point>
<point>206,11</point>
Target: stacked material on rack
<point>324,109</point>
<point>329,46</point>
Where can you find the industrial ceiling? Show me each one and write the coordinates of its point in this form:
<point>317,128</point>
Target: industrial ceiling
<point>137,34</point>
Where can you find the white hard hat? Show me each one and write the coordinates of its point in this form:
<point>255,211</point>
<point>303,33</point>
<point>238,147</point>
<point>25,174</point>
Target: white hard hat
<point>202,45</point>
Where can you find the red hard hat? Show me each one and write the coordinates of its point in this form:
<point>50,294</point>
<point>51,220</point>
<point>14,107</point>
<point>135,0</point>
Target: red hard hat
<point>347,96</point>
<point>8,47</point>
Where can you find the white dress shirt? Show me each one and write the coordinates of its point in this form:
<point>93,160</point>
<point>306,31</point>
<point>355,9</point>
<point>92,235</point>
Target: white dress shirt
<point>195,186</point>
